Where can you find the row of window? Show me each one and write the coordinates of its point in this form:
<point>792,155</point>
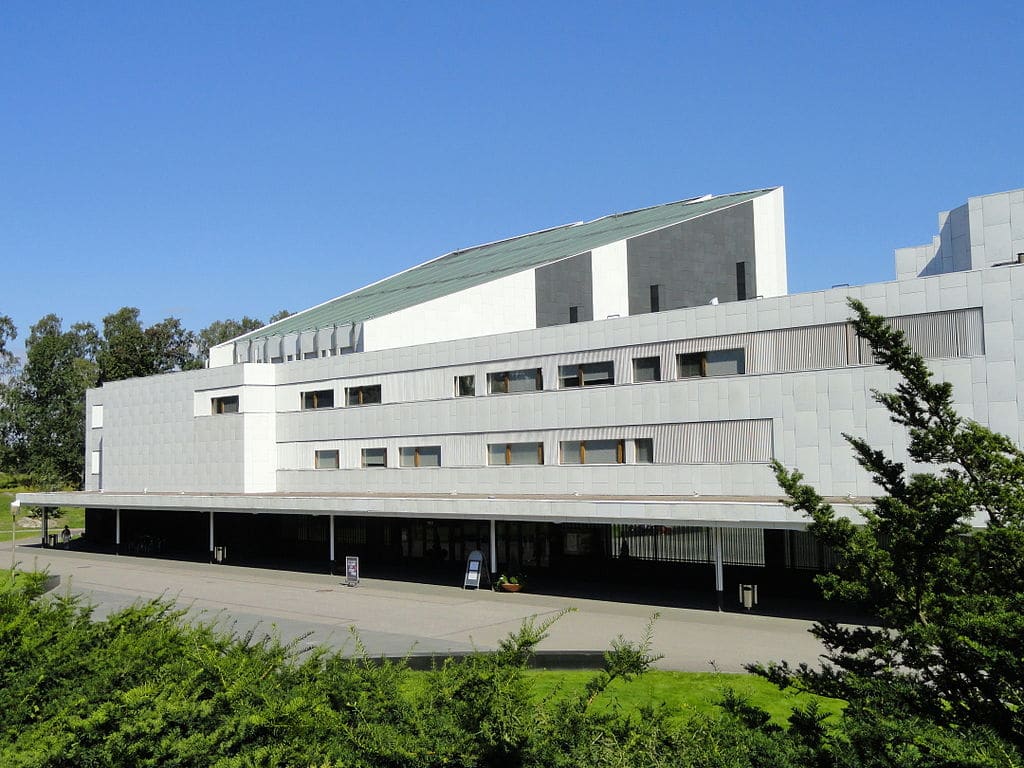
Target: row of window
<point>722,362</point>
<point>507,454</point>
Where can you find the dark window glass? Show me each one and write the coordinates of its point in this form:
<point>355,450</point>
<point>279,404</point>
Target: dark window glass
<point>227,404</point>
<point>574,314</point>
<point>515,453</point>
<point>741,280</point>
<point>420,456</point>
<point>644,450</point>
<point>593,451</point>
<point>718,362</point>
<point>368,395</point>
<point>507,382</point>
<point>646,369</point>
<point>655,298</point>
<point>326,459</point>
<point>322,398</point>
<point>586,374</point>
<point>465,386</point>
<point>375,457</point>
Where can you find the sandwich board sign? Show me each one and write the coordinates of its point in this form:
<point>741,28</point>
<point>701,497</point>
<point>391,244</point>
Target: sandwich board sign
<point>351,570</point>
<point>475,570</point>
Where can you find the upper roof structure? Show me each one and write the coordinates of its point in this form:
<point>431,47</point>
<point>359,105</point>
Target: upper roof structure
<point>480,264</point>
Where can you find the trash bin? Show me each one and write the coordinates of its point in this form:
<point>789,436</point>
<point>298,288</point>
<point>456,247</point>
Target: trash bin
<point>52,541</point>
<point>748,595</point>
<point>220,554</point>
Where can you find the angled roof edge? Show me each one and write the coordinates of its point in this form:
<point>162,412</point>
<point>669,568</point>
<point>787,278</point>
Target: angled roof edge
<point>475,265</point>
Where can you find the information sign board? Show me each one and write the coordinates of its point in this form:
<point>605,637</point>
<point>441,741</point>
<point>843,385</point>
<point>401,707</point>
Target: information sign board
<point>475,570</point>
<point>351,570</point>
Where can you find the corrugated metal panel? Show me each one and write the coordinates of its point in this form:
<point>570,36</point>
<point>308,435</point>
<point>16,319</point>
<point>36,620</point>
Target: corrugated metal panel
<point>688,544</point>
<point>953,333</point>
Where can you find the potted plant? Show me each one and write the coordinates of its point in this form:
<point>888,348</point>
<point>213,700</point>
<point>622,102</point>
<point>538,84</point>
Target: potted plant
<point>509,583</point>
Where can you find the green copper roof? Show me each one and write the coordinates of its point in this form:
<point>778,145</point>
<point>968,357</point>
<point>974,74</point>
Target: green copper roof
<point>483,263</point>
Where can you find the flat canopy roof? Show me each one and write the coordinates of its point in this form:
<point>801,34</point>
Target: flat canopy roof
<point>726,511</point>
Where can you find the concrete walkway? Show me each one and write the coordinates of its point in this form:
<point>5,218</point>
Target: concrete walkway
<point>393,618</point>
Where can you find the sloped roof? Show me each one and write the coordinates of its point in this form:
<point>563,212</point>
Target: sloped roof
<point>480,264</point>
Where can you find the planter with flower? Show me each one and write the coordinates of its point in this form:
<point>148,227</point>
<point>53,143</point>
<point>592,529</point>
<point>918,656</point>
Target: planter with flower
<point>509,583</point>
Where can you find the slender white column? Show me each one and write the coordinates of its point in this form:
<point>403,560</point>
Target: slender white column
<point>117,531</point>
<point>330,536</point>
<point>719,574</point>
<point>211,535</point>
<point>494,547</point>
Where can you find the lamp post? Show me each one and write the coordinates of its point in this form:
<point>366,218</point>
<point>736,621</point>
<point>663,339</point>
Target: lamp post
<point>15,508</point>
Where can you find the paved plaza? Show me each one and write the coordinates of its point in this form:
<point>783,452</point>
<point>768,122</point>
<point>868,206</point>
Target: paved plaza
<point>394,618</point>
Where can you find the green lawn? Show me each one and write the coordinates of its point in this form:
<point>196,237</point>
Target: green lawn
<point>682,692</point>
<point>70,516</point>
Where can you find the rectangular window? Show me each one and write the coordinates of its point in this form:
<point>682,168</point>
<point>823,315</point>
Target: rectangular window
<point>508,382</point>
<point>719,362</point>
<point>574,314</point>
<point>308,355</point>
<point>375,457</point>
<point>465,386</point>
<point>224,404</point>
<point>321,398</point>
<point>326,459</point>
<point>420,456</point>
<point>646,369</point>
<point>97,416</point>
<point>94,462</point>
<point>368,395</point>
<point>593,451</point>
<point>644,450</point>
<point>586,374</point>
<point>515,453</point>
<point>741,280</point>
<point>655,298</point>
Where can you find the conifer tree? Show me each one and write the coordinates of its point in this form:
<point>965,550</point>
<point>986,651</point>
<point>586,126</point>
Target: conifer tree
<point>940,562</point>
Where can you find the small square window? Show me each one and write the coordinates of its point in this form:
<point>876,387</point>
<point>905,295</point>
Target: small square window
<point>326,459</point>
<point>646,369</point>
<point>227,404</point>
<point>644,450</point>
<point>375,457</point>
<point>465,386</point>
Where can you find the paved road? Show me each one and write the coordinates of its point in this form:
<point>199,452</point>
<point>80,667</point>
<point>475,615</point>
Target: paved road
<point>393,618</point>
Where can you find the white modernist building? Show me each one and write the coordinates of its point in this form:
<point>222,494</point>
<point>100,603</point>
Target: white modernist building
<point>565,398</point>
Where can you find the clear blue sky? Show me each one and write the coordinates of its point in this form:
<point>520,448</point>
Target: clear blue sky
<point>211,160</point>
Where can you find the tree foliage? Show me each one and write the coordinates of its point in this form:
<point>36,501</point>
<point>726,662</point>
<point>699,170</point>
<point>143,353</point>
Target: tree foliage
<point>144,688</point>
<point>940,561</point>
<point>42,401</point>
<point>43,408</point>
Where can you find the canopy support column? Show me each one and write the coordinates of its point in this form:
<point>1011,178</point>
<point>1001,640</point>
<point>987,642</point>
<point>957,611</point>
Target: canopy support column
<point>330,537</point>
<point>494,548</point>
<point>719,574</point>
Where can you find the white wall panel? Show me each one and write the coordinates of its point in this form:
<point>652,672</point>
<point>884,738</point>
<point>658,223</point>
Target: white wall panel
<point>502,305</point>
